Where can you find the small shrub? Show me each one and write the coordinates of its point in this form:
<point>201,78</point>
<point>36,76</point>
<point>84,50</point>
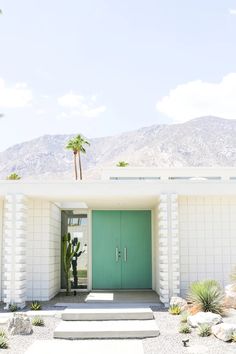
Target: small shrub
<point>233,337</point>
<point>207,296</point>
<point>184,328</point>
<point>38,321</point>
<point>35,306</point>
<point>3,333</point>
<point>13,307</point>
<point>3,343</point>
<point>204,330</point>
<point>184,317</point>
<point>174,310</point>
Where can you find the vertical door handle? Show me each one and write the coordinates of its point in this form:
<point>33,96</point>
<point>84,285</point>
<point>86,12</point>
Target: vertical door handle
<point>117,254</point>
<point>125,254</point>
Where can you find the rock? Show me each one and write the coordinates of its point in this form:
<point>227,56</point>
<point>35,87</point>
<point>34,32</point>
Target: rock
<point>200,318</point>
<point>19,324</point>
<point>230,295</point>
<point>224,331</point>
<point>182,303</point>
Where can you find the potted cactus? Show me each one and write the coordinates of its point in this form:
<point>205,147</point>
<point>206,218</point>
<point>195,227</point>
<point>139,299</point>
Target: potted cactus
<point>69,251</point>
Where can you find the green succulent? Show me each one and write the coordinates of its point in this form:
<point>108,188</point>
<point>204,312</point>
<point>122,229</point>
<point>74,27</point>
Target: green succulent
<point>207,295</point>
<point>184,328</point>
<point>184,317</point>
<point>3,333</point>
<point>3,343</point>
<point>204,330</point>
<point>37,321</point>
<point>174,309</point>
<point>233,337</point>
<point>35,306</point>
<point>13,307</point>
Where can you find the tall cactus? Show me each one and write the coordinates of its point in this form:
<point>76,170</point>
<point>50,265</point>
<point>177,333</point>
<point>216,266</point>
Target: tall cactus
<point>68,254</point>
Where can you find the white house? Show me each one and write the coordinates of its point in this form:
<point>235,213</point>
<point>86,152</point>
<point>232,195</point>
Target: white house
<point>138,227</point>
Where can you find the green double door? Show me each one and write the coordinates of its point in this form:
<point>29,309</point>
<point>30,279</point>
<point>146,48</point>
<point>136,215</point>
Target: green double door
<point>121,249</point>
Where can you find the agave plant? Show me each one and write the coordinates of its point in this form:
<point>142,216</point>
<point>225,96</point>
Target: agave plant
<point>207,295</point>
<point>3,343</point>
<point>233,337</point>
<point>174,309</point>
<point>185,328</point>
<point>37,321</point>
<point>184,317</point>
<point>35,306</point>
<point>3,333</point>
<point>204,330</point>
<point>13,307</point>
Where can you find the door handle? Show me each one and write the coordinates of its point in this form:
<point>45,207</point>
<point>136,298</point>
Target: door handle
<point>125,254</point>
<point>117,254</point>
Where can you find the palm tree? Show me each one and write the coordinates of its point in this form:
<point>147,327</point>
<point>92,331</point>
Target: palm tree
<point>71,146</point>
<point>77,145</point>
<point>122,164</point>
<point>13,176</point>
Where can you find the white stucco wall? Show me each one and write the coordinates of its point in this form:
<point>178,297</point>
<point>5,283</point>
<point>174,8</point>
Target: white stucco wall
<point>207,228</point>
<point>43,250</point>
<point>1,242</point>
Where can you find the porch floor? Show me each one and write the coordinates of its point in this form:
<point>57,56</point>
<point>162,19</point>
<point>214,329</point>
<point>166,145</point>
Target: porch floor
<point>109,297</point>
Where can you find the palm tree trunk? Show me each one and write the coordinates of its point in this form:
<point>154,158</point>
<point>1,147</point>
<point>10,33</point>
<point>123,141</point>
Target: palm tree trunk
<point>80,166</point>
<point>75,165</point>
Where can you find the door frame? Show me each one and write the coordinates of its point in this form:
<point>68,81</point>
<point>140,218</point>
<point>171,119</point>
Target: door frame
<point>90,240</point>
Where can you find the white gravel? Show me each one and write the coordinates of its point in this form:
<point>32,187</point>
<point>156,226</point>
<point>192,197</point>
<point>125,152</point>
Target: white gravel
<point>169,341</point>
<point>19,343</point>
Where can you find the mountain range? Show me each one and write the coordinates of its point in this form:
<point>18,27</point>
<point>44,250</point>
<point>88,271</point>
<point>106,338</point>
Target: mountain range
<point>205,141</point>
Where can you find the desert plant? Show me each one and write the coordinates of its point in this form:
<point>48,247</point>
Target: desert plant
<point>37,321</point>
<point>3,343</point>
<point>13,307</point>
<point>174,309</point>
<point>13,176</point>
<point>184,317</point>
<point>184,328</point>
<point>122,164</point>
<point>68,253</point>
<point>35,306</point>
<point>207,296</point>
<point>3,333</point>
<point>204,330</point>
<point>233,337</point>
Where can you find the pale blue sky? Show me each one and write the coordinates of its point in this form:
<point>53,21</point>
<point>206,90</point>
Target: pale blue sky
<point>101,67</point>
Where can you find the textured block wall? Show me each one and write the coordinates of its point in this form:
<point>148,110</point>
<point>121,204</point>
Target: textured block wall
<point>14,250</point>
<point>43,250</point>
<point>207,228</point>
<point>1,244</point>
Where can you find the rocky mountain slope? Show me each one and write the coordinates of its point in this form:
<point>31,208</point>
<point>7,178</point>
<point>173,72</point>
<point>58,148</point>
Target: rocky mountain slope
<point>206,141</point>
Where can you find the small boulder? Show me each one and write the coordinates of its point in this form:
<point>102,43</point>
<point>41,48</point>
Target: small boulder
<point>182,303</point>
<point>230,295</point>
<point>224,331</point>
<point>19,323</point>
<point>200,318</point>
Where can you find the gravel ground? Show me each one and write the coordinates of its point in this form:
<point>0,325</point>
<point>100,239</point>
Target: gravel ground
<point>169,341</point>
<point>18,344</point>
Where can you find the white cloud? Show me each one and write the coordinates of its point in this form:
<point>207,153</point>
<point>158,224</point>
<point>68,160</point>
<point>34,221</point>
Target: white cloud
<point>16,96</point>
<point>83,106</point>
<point>198,98</point>
<point>232,11</point>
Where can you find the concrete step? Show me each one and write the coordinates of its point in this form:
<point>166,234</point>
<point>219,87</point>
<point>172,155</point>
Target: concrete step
<point>103,314</point>
<point>106,329</point>
<point>86,347</point>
